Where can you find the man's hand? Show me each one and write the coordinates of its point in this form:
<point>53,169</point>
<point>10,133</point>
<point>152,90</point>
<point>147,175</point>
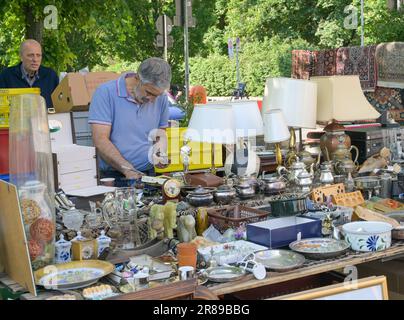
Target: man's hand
<point>133,175</point>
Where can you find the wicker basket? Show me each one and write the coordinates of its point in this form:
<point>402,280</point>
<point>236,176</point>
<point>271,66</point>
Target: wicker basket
<point>233,216</point>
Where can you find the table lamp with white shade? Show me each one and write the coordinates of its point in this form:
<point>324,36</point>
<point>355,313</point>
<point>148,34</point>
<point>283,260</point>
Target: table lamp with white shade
<point>275,130</point>
<point>248,125</point>
<point>298,101</point>
<point>211,123</point>
<point>340,99</point>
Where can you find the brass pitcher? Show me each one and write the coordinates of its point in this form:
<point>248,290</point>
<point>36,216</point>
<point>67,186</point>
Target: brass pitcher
<point>342,152</point>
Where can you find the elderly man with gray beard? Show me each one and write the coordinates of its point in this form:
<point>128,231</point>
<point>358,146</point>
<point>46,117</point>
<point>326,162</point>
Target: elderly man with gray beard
<point>127,115</point>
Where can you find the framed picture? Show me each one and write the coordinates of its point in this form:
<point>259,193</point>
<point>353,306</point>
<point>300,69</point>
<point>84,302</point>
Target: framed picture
<point>371,288</point>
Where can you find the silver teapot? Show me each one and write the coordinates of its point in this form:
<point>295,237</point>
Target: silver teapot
<point>272,185</point>
<point>296,168</point>
<point>200,197</point>
<point>245,188</point>
<point>224,194</point>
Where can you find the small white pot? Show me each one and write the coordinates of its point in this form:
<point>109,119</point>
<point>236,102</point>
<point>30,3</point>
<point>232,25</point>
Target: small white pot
<point>368,235</point>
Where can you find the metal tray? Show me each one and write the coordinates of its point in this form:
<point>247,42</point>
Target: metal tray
<point>320,248</point>
<point>280,260</point>
<point>224,274</point>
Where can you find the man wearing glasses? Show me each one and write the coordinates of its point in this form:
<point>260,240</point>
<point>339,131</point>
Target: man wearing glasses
<point>125,115</point>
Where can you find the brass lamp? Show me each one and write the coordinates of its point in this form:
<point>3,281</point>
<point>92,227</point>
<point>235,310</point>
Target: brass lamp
<point>275,130</point>
<point>298,101</point>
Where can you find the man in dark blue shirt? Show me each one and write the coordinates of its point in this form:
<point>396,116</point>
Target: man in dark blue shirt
<point>29,73</point>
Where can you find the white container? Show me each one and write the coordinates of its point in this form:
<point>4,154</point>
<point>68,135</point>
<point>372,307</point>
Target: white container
<point>368,235</point>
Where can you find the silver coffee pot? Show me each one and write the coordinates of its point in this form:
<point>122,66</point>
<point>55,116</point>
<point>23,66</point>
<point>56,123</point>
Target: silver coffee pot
<point>296,169</point>
<point>326,176</point>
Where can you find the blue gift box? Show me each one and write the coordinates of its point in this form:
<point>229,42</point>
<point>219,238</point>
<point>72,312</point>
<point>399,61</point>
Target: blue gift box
<point>280,232</point>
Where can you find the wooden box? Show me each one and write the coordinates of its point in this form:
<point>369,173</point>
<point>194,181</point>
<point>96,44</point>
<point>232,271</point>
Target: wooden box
<point>75,167</point>
<point>84,250</point>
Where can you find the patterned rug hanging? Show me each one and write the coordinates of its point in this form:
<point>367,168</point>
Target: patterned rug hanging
<point>301,64</point>
<point>390,65</point>
<point>358,61</point>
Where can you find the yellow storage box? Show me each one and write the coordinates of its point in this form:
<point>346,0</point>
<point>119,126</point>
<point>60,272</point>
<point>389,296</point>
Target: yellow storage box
<point>201,153</point>
<point>5,96</point>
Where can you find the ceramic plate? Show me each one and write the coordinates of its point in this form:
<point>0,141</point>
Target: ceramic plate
<point>280,260</point>
<point>72,275</point>
<point>320,248</point>
<point>224,274</point>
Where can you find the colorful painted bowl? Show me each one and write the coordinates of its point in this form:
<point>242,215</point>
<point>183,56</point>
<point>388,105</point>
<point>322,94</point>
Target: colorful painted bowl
<point>368,235</point>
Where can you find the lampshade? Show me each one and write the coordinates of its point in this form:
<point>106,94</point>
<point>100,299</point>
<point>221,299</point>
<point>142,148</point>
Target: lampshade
<point>211,123</point>
<point>247,118</point>
<point>296,98</point>
<point>341,98</point>
<point>275,127</point>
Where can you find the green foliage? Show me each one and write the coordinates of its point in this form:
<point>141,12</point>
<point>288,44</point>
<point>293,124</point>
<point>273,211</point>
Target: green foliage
<point>258,61</point>
<point>216,73</point>
<point>116,35</point>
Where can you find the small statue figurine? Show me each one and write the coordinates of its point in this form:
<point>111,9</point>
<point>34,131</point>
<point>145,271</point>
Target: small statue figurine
<point>186,228</point>
<point>170,219</point>
<point>156,221</point>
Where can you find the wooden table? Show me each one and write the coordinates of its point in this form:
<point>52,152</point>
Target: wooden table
<point>309,268</point>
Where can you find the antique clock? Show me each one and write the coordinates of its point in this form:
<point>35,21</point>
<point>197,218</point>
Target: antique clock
<point>171,190</point>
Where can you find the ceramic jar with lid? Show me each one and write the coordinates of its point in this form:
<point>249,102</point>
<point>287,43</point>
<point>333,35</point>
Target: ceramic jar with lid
<point>200,197</point>
<point>62,250</point>
<point>103,242</point>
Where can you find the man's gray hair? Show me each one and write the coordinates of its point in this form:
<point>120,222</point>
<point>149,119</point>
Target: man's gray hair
<point>28,42</point>
<point>155,71</point>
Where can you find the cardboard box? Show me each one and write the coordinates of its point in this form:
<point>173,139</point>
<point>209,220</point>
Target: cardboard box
<point>280,232</point>
<point>75,91</point>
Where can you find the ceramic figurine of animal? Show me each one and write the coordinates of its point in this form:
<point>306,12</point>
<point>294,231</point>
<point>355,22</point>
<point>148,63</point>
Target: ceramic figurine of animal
<point>186,228</point>
<point>170,219</point>
<point>156,221</point>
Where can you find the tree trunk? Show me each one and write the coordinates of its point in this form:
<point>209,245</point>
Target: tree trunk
<point>33,25</point>
<point>392,4</point>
